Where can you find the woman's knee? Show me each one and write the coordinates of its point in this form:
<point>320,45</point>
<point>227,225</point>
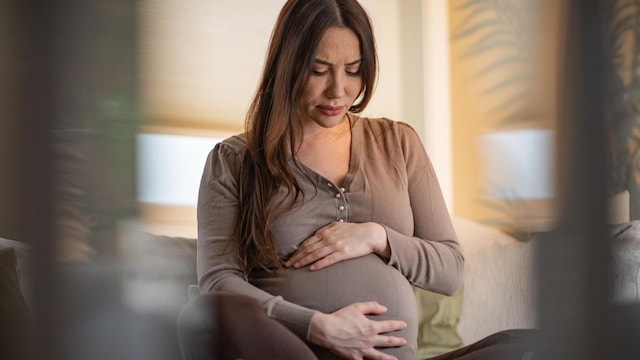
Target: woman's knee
<point>196,329</point>
<point>223,326</point>
<point>212,314</point>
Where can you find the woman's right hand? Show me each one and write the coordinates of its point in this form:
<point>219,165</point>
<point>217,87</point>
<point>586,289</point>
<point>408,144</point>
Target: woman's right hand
<point>351,335</point>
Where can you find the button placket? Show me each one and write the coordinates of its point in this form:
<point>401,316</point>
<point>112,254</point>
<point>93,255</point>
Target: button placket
<point>341,203</point>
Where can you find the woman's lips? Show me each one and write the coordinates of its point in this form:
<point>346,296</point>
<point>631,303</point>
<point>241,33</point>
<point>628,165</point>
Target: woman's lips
<point>330,110</point>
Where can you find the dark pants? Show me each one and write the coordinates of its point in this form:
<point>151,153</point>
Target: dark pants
<point>504,345</point>
<point>226,326</point>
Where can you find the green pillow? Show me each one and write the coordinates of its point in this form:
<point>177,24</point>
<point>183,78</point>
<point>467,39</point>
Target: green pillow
<point>438,317</point>
<point>14,315</point>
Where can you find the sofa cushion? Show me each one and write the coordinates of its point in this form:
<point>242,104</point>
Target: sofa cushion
<point>14,328</point>
<point>159,271</point>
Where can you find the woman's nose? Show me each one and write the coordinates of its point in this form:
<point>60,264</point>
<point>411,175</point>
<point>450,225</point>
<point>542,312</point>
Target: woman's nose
<point>336,86</point>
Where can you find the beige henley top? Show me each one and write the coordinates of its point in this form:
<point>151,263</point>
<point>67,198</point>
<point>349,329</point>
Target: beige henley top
<point>390,181</point>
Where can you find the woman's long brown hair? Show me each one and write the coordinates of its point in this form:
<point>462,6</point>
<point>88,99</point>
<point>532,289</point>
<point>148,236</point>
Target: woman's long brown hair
<point>272,126</point>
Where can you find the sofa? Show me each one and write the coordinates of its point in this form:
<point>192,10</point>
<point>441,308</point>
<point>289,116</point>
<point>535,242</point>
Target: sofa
<point>498,291</point>
<point>139,296</point>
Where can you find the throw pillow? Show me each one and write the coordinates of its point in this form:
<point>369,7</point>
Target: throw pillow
<point>15,324</point>
<point>438,322</point>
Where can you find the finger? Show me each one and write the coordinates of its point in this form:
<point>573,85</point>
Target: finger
<point>303,250</point>
<point>313,244</point>
<point>322,237</point>
<point>320,234</point>
<point>309,257</point>
<point>311,240</point>
<point>385,341</point>
<point>385,326</point>
<point>328,260</point>
<point>373,354</point>
<point>370,307</point>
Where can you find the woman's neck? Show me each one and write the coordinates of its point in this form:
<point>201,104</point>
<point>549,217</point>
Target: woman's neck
<point>316,135</point>
<point>327,151</point>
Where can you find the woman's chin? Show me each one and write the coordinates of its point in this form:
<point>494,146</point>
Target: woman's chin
<point>330,121</point>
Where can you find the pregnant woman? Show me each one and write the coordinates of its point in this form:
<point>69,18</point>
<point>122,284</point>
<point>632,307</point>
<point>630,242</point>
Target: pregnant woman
<point>314,223</point>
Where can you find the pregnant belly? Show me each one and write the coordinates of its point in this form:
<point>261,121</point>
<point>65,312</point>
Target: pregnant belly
<point>362,279</point>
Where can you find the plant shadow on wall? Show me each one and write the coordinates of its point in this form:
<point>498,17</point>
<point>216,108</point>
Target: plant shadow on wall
<point>622,102</point>
<point>500,35</point>
<point>497,39</point>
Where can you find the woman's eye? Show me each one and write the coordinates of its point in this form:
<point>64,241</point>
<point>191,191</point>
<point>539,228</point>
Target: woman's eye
<point>353,72</point>
<point>318,72</point>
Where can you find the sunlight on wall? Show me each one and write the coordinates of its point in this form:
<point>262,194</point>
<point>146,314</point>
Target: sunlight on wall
<point>518,164</point>
<point>170,167</point>
<point>503,81</point>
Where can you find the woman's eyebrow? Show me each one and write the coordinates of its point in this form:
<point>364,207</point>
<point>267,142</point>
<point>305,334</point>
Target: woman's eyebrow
<point>323,62</point>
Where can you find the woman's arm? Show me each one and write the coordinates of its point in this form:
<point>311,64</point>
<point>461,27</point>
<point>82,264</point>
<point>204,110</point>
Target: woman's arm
<point>218,265</point>
<point>432,258</point>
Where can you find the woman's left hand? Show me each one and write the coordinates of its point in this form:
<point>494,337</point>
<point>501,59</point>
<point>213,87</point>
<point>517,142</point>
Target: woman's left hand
<point>340,241</point>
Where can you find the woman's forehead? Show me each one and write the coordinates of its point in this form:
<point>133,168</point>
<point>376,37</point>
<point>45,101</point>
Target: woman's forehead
<point>339,46</point>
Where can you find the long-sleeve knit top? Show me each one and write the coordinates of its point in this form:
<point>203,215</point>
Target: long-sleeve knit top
<point>390,181</point>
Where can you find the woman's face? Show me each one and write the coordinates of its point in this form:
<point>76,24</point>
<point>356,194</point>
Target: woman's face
<point>334,81</point>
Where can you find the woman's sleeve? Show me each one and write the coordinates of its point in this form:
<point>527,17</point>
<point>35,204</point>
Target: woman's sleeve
<point>432,258</point>
<point>218,265</point>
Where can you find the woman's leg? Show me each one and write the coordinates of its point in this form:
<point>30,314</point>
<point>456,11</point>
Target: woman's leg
<point>504,345</point>
<point>227,326</point>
